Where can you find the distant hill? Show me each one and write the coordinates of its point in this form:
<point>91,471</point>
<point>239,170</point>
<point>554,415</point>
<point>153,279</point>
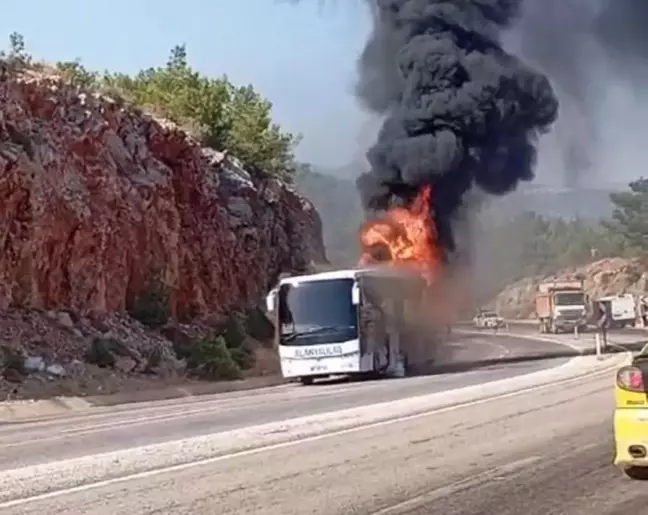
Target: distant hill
<point>335,196</point>
<point>588,203</point>
<point>338,202</point>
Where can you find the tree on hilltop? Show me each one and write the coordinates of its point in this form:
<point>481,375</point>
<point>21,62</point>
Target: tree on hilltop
<point>221,115</point>
<point>630,217</point>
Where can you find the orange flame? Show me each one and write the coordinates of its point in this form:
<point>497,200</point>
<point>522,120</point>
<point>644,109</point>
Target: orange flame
<point>406,235</point>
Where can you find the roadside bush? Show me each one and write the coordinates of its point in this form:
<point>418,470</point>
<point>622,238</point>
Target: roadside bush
<point>151,307</point>
<point>104,352</point>
<point>100,353</point>
<point>258,326</point>
<point>233,331</point>
<point>210,358</point>
<point>12,359</point>
<point>153,360</point>
<point>222,356</point>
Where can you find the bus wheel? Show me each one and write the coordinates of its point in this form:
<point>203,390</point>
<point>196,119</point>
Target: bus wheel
<point>306,381</point>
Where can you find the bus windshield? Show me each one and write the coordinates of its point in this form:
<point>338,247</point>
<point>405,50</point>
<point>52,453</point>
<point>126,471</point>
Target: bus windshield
<point>316,312</point>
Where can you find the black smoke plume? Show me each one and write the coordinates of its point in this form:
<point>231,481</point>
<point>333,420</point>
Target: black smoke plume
<point>584,46</point>
<point>459,110</point>
<point>554,35</point>
<point>620,26</point>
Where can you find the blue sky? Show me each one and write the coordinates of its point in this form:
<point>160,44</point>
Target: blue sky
<point>300,57</point>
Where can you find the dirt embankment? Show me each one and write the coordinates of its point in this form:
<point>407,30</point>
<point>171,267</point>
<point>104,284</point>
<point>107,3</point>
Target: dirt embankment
<point>604,277</point>
<point>97,202</point>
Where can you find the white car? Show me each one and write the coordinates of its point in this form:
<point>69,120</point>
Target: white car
<point>488,319</point>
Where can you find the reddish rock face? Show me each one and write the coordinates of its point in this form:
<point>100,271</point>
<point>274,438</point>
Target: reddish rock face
<point>95,199</point>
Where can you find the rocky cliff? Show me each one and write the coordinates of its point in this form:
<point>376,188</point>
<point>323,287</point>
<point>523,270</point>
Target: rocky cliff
<point>98,199</point>
<point>604,277</point>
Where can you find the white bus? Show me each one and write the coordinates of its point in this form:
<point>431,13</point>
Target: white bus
<point>344,322</point>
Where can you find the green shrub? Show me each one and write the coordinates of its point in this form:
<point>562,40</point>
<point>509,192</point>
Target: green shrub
<point>100,353</point>
<point>12,359</point>
<point>77,74</point>
<point>103,352</point>
<point>151,307</point>
<point>221,356</point>
<point>258,326</point>
<point>234,333</point>
<point>153,360</point>
<point>210,358</point>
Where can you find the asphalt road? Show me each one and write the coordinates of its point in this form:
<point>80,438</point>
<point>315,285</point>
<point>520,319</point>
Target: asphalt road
<point>114,428</point>
<point>358,473</point>
<point>543,453</point>
<point>524,328</point>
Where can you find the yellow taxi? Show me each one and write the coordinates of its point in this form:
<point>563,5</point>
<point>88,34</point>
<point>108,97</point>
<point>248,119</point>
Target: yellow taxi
<point>631,417</point>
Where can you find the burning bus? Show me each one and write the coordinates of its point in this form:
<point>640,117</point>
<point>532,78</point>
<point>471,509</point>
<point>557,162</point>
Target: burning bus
<point>349,322</point>
<point>383,318</point>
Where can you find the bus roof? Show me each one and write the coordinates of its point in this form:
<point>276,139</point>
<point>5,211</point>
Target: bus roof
<point>352,273</point>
